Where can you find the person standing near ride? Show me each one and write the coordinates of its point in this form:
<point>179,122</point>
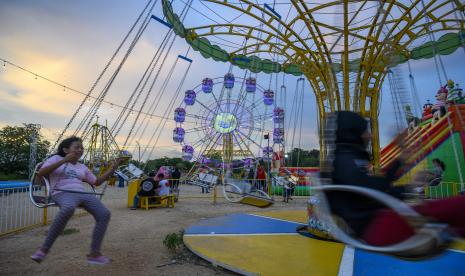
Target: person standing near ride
<point>251,177</point>
<point>261,178</point>
<point>368,219</point>
<point>66,175</point>
<point>175,176</point>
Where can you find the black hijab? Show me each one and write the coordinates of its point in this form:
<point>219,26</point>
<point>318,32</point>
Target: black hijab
<point>350,127</point>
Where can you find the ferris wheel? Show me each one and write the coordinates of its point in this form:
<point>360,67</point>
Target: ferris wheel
<point>222,122</point>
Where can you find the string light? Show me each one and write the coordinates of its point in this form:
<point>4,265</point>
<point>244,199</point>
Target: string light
<point>36,76</point>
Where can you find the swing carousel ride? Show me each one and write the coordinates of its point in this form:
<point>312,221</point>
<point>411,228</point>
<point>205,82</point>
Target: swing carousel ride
<point>345,58</point>
<point>345,61</point>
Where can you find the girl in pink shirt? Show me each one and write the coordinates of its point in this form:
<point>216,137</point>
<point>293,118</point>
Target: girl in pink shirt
<point>66,175</point>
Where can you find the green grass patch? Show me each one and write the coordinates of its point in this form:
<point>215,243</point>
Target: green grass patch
<point>174,241</point>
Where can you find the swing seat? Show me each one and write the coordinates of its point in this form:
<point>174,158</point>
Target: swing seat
<point>256,201</point>
<point>204,180</point>
<point>429,239</point>
<point>40,192</point>
<point>257,198</point>
<point>39,189</point>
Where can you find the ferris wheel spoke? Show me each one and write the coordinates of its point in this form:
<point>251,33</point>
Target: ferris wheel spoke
<point>246,98</point>
<point>240,100</point>
<point>255,103</point>
<point>242,121</point>
<point>228,100</point>
<point>218,103</point>
<point>241,134</point>
<point>242,92</point>
<point>255,128</point>
<point>195,129</point>
<point>238,138</point>
<point>263,116</point>
<point>190,123</point>
<point>200,143</point>
<point>207,138</point>
<point>208,146</point>
<point>196,116</point>
<point>206,107</point>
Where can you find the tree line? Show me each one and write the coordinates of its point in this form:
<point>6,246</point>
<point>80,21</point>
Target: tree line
<point>15,146</point>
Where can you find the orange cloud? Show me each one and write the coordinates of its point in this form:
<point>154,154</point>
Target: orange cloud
<point>37,94</point>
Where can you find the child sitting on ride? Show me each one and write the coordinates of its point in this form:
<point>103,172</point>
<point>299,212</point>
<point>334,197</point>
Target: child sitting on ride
<point>439,108</point>
<point>368,219</point>
<point>436,174</point>
<point>66,175</point>
<point>412,121</point>
<point>455,95</point>
<point>432,178</point>
<point>427,111</point>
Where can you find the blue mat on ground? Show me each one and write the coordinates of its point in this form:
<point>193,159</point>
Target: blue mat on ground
<point>448,263</point>
<point>242,224</point>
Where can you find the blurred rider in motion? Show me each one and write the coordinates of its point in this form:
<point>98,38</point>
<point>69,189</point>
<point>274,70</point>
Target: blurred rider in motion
<point>369,219</point>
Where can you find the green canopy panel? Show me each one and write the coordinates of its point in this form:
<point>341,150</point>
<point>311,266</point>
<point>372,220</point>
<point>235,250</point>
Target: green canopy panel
<point>397,59</point>
<point>445,45</point>
<point>207,50</point>
<point>269,66</point>
<point>173,19</point>
<point>255,64</point>
<point>354,65</point>
<point>292,69</point>
<point>241,61</point>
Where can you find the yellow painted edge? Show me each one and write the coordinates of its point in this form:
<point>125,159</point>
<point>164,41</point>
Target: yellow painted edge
<point>268,254</point>
<point>458,245</point>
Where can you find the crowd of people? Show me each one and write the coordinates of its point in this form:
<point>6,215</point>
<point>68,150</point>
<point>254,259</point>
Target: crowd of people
<point>257,179</point>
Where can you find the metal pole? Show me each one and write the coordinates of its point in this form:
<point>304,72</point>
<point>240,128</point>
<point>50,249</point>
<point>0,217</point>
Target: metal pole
<point>34,136</point>
<point>268,180</point>
<point>138,147</point>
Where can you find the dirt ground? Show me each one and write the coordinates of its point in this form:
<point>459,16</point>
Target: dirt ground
<point>134,240</point>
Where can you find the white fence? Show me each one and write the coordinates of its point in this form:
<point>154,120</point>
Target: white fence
<point>18,213</point>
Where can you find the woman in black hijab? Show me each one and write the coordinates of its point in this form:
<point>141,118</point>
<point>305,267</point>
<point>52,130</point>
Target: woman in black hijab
<point>367,218</point>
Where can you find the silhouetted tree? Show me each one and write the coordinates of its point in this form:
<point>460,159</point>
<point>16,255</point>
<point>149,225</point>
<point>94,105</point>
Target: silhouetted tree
<point>15,148</point>
<point>303,158</point>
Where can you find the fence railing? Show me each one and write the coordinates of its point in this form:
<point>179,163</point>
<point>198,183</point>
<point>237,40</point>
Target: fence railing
<point>17,212</point>
<point>274,186</point>
<point>443,190</point>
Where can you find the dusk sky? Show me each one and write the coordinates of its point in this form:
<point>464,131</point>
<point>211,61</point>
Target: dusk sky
<point>71,41</point>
